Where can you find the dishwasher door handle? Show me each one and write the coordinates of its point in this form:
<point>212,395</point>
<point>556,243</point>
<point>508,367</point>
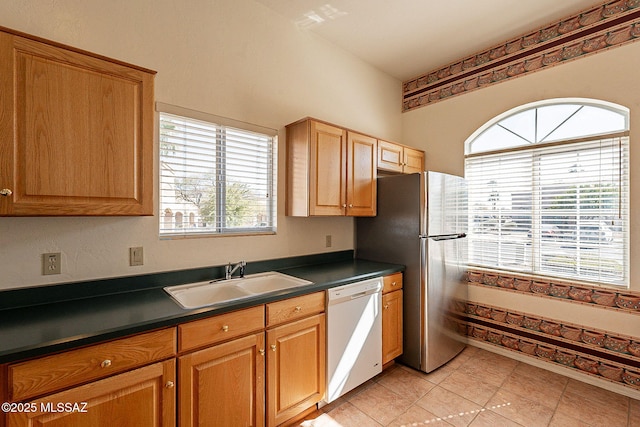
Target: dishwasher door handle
<point>361,294</point>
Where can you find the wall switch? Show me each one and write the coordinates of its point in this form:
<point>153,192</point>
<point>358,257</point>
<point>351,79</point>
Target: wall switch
<point>327,239</point>
<point>51,263</point>
<point>136,256</point>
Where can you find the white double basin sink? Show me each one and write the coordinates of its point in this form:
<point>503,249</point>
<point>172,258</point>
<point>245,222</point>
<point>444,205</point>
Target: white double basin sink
<point>211,293</point>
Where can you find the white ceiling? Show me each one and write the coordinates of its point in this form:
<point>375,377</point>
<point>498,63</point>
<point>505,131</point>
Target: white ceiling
<point>407,38</point>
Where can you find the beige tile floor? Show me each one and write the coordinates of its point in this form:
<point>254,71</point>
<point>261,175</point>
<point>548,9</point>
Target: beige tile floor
<point>477,389</point>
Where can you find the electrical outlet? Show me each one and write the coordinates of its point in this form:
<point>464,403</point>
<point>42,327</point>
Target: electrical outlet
<point>327,240</point>
<point>51,263</point>
<point>136,256</point>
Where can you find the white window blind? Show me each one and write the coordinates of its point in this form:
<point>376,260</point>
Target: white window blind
<point>215,178</point>
<point>557,209</point>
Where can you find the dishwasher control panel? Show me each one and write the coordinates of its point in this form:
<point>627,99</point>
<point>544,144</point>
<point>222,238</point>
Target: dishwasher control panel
<point>355,289</point>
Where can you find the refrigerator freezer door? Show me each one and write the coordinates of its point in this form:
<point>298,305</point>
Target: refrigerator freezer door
<point>443,277</point>
<point>445,212</point>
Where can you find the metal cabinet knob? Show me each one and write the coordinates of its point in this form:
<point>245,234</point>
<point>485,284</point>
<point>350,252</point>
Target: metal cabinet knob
<point>169,384</point>
<point>351,205</point>
<point>273,347</point>
<point>5,192</point>
<point>298,309</point>
<point>394,283</point>
<point>386,306</point>
<point>105,363</point>
<point>261,351</point>
<point>344,206</point>
<point>225,328</point>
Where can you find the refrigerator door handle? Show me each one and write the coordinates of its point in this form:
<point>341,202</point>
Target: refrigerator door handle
<point>449,236</point>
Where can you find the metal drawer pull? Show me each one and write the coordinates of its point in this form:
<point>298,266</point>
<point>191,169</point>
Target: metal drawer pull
<point>273,347</point>
<point>298,309</point>
<point>5,192</point>
<point>105,363</point>
<point>169,384</point>
<point>394,283</point>
<point>225,328</point>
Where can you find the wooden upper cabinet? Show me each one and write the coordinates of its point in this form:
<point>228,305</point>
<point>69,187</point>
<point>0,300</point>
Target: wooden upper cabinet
<point>399,158</point>
<point>361,175</point>
<point>76,132</point>
<point>413,160</point>
<point>330,171</point>
<point>390,156</point>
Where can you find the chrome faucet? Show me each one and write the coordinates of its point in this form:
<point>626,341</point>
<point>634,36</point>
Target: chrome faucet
<point>229,269</point>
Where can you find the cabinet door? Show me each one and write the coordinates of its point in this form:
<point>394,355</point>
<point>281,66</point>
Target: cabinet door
<point>327,170</point>
<point>361,175</point>
<point>391,326</point>
<point>76,132</point>
<point>223,385</point>
<point>296,364</point>
<point>413,160</point>
<point>390,156</point>
<point>49,374</point>
<point>142,397</point>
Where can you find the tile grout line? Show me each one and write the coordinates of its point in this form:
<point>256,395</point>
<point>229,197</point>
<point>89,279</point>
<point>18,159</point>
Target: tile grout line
<point>555,409</point>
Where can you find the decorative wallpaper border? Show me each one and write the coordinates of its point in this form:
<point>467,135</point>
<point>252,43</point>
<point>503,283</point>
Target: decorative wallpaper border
<point>613,24</point>
<point>598,353</point>
<point>624,300</point>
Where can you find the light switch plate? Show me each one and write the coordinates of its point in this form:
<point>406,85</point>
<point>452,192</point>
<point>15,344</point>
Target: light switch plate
<point>136,256</point>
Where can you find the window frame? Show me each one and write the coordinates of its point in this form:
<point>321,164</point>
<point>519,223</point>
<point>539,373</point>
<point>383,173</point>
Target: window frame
<point>537,212</point>
<point>222,125</point>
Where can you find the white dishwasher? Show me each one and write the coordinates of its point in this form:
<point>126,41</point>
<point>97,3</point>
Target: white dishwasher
<point>354,336</point>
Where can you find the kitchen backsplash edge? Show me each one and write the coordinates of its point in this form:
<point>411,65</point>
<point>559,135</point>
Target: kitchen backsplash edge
<point>47,294</point>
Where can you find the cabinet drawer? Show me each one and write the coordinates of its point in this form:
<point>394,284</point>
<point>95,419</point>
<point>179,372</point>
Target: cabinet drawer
<point>392,282</point>
<point>59,371</point>
<point>220,328</point>
<point>295,308</point>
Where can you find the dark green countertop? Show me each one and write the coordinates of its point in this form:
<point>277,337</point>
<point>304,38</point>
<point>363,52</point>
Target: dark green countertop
<point>35,330</point>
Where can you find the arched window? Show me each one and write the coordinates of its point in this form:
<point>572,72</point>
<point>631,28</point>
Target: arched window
<point>548,191</point>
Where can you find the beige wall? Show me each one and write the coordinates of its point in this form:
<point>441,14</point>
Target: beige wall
<point>233,58</point>
<point>442,128</point>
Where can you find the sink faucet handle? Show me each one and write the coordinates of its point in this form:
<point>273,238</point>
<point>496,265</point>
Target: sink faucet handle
<point>230,269</point>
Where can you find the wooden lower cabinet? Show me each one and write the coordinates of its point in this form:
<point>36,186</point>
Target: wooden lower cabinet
<point>391,326</point>
<point>257,366</point>
<point>142,397</point>
<point>223,385</point>
<point>263,365</point>
<point>391,317</point>
<point>296,361</point>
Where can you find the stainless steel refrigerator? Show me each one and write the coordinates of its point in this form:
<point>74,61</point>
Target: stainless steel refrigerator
<point>422,223</point>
